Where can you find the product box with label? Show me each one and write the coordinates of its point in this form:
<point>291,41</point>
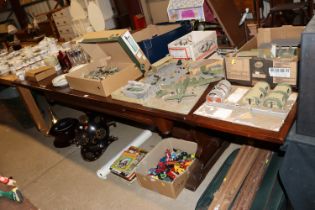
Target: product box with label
<point>154,39</point>
<point>195,46</point>
<point>117,53</point>
<point>157,11</point>
<point>40,73</point>
<point>3,28</point>
<point>170,189</point>
<point>186,10</point>
<point>272,56</point>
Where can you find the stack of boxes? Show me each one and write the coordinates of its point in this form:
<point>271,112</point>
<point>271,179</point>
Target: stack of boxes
<point>63,21</point>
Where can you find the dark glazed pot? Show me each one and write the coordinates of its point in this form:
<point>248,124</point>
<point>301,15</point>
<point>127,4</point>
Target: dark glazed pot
<point>64,132</point>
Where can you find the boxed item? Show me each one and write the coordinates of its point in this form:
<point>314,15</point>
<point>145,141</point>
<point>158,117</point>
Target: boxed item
<point>272,56</point>
<point>126,164</point>
<point>3,28</point>
<point>114,52</point>
<point>196,45</point>
<point>40,73</point>
<point>154,39</point>
<point>186,10</point>
<point>157,10</point>
<point>170,189</point>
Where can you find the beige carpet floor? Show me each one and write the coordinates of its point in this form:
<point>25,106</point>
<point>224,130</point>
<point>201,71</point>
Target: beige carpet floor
<point>59,179</point>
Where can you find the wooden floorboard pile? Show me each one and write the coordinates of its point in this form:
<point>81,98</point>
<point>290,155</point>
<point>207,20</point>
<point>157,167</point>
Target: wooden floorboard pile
<point>242,180</point>
<point>252,182</point>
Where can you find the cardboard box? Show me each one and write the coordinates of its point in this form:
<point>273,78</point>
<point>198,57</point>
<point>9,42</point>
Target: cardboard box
<point>170,189</point>
<point>246,67</point>
<point>126,42</point>
<point>196,45</point>
<point>154,39</point>
<point>157,10</point>
<point>185,10</point>
<point>114,48</point>
<point>40,73</point>
<point>3,28</point>
<point>22,2</point>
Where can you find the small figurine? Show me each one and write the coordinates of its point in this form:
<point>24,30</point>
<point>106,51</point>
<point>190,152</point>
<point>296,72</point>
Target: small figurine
<point>7,181</point>
<point>14,195</point>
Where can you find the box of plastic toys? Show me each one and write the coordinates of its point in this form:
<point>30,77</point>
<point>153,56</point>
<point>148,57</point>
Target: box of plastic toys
<point>166,168</point>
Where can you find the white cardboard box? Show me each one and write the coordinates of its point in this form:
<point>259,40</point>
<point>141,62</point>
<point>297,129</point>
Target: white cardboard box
<point>196,45</point>
<point>185,10</point>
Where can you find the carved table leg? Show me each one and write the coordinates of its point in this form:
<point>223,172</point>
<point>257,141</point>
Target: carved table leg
<point>209,150</point>
<point>164,126</point>
<point>33,109</point>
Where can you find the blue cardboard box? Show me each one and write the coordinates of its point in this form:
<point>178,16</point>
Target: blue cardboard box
<point>154,39</point>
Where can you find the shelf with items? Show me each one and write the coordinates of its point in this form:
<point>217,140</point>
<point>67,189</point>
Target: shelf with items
<point>26,3</point>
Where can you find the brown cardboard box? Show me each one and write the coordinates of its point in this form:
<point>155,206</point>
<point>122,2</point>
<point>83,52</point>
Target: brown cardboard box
<point>3,28</point>
<point>244,67</point>
<point>170,189</point>
<point>126,42</point>
<point>22,2</point>
<point>158,10</point>
<point>108,48</point>
<point>153,30</point>
<point>40,73</point>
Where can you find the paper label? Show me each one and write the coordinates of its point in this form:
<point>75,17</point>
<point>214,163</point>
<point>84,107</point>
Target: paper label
<point>178,53</point>
<point>139,55</point>
<point>188,14</point>
<point>131,43</point>
<point>222,113</point>
<point>280,72</point>
<point>237,95</point>
<point>274,50</point>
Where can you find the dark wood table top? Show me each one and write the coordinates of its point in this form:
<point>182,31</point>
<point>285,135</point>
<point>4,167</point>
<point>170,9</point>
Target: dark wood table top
<point>7,79</point>
<point>146,115</point>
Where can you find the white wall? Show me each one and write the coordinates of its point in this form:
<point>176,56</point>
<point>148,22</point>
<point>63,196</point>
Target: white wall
<point>106,9</point>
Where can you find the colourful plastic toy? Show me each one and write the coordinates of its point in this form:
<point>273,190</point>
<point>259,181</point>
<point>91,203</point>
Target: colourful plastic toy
<point>14,195</point>
<point>171,165</point>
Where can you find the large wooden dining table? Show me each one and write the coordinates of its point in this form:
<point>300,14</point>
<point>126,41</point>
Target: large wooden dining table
<point>212,135</point>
